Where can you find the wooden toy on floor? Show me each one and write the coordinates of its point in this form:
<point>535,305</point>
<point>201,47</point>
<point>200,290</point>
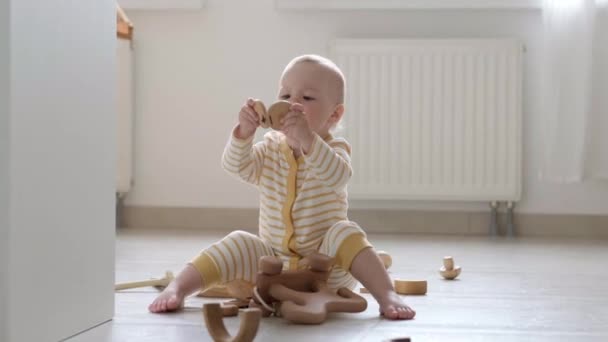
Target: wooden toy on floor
<point>271,118</point>
<point>386,258</point>
<point>214,320</point>
<point>231,307</point>
<point>303,295</point>
<point>406,287</point>
<point>159,283</point>
<point>313,307</point>
<point>448,270</point>
<point>410,287</point>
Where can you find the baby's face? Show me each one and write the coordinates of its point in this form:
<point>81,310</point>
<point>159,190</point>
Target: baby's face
<point>314,87</point>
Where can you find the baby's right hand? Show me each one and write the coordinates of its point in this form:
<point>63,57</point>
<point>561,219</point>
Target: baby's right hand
<point>248,120</point>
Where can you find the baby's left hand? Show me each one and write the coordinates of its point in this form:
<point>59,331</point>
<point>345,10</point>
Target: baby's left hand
<point>295,126</point>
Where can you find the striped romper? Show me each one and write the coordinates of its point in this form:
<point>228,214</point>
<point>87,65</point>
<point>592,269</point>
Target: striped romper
<point>303,209</point>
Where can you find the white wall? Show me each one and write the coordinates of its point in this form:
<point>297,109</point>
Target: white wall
<point>4,181</point>
<point>61,164</point>
<point>194,70</point>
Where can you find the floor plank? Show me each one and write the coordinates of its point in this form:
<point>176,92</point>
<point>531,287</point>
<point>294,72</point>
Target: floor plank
<point>528,289</point>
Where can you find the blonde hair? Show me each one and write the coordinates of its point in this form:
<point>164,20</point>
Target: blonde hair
<point>327,64</point>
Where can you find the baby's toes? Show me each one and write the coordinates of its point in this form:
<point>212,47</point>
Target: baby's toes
<point>159,305</point>
<point>405,313</point>
<point>391,312</point>
<point>173,303</point>
<point>163,306</point>
<point>402,312</point>
<point>154,306</point>
<point>409,313</point>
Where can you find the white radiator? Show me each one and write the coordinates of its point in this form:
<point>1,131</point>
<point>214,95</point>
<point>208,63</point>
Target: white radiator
<point>433,119</point>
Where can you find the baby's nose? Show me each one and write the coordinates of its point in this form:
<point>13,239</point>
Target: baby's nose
<point>296,99</point>
<point>297,106</point>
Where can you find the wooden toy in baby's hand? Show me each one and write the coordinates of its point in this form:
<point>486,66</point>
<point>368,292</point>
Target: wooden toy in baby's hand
<point>271,118</point>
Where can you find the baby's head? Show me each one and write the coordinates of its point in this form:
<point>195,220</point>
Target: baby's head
<point>318,84</point>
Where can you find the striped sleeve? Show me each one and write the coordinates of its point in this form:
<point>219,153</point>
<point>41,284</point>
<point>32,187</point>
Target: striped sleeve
<point>330,161</point>
<point>244,160</point>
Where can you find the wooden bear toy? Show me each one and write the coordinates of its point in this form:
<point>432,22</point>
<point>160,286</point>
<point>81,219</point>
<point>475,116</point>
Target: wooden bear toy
<point>303,295</point>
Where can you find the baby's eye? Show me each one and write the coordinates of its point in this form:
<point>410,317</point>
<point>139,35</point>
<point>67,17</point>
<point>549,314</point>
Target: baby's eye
<point>308,98</point>
<point>284,97</point>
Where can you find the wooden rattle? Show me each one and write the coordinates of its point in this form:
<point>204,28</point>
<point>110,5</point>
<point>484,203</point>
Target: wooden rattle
<point>271,118</point>
<point>449,271</point>
<point>162,282</point>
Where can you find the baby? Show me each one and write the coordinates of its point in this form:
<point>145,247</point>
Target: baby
<point>301,172</point>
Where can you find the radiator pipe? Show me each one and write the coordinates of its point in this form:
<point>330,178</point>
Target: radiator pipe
<point>494,219</point>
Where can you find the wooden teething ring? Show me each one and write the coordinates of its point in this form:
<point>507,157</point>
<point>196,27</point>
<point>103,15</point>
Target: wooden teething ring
<point>214,320</point>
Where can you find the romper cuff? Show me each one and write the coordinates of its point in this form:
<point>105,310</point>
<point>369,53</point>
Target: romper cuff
<point>351,246</point>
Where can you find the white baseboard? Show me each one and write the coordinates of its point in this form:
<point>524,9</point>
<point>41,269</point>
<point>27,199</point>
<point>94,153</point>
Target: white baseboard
<point>146,5</point>
<point>406,4</point>
<point>375,221</point>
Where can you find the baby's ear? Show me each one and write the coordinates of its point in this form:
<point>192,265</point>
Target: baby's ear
<point>337,114</point>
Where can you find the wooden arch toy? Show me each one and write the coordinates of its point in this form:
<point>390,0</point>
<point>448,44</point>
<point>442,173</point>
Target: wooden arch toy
<point>214,320</point>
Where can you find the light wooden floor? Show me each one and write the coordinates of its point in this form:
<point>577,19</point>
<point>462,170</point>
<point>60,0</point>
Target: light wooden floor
<point>509,290</point>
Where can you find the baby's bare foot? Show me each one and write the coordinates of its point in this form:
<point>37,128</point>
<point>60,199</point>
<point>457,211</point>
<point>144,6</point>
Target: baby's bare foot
<point>169,300</point>
<point>392,307</point>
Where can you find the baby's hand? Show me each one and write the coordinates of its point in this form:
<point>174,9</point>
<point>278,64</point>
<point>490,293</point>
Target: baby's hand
<point>296,127</point>
<point>248,120</point>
